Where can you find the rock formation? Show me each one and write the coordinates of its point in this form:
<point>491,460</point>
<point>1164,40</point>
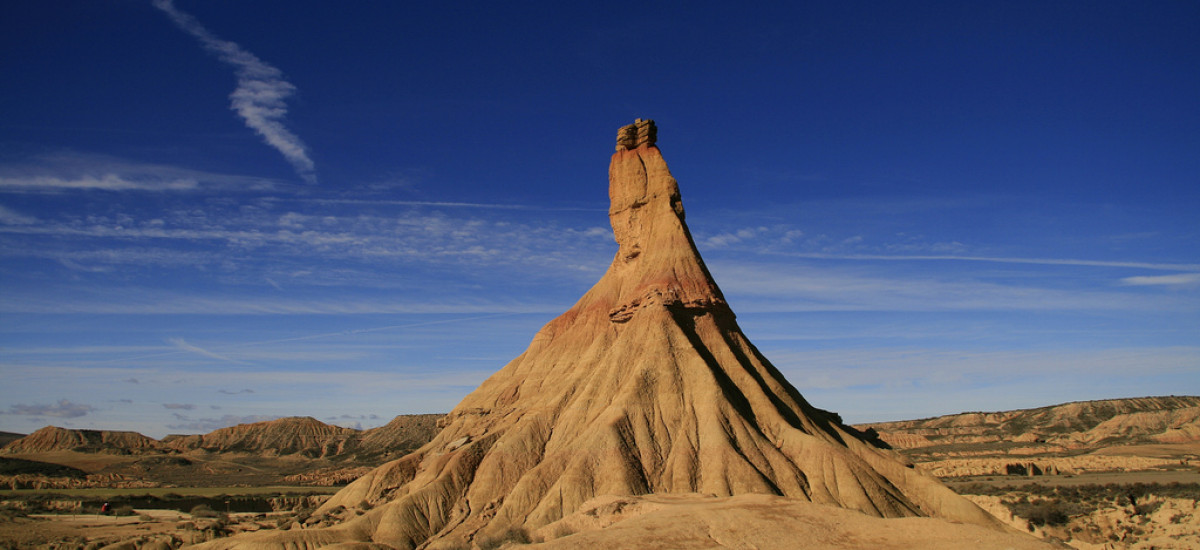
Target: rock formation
<point>632,136</point>
<point>645,386</point>
<point>396,438</point>
<point>1070,438</point>
<point>1124,421</point>
<point>53,438</point>
<point>284,436</point>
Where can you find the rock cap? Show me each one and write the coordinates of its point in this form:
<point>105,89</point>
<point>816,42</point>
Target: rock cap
<point>632,136</point>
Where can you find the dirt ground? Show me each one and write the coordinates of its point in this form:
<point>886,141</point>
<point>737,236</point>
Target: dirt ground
<point>87,531</point>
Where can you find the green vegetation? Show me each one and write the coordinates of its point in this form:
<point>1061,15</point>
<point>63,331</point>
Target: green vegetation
<point>203,511</point>
<point>1055,505</point>
<point>1121,493</point>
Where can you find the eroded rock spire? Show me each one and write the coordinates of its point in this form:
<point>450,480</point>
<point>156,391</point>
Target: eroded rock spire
<point>645,386</point>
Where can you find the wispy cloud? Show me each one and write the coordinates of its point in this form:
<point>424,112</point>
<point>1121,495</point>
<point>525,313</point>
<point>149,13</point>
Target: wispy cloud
<point>12,217</point>
<point>996,259</point>
<point>183,345</point>
<point>209,424</point>
<point>105,182</point>
<point>1182,279</point>
<point>911,367</point>
<point>68,170</point>
<point>449,204</point>
<point>62,409</point>
<point>753,287</point>
<point>179,406</point>
<point>260,95</point>
<point>261,245</point>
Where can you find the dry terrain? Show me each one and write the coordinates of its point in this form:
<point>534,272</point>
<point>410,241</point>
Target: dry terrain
<point>289,451</point>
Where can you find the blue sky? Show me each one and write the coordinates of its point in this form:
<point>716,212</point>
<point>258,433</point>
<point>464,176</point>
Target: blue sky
<point>217,212</point>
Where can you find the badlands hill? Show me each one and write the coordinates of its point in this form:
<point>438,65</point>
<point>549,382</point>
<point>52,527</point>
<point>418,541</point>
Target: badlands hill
<point>52,438</point>
<point>1108,435</point>
<point>646,386</point>
<point>305,436</point>
<point>1131,420</point>
<point>292,451</point>
<point>9,437</point>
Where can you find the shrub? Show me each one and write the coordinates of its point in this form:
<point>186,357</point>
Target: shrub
<point>203,511</point>
<point>515,535</point>
<point>125,510</point>
<point>1043,512</point>
<point>1147,508</point>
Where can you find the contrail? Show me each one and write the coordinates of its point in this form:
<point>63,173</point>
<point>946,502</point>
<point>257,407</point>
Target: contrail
<point>260,93</point>
<point>183,345</point>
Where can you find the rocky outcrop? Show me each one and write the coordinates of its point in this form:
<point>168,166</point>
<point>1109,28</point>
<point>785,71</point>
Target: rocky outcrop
<point>305,436</point>
<point>645,386</point>
<point>53,438</point>
<point>640,133</point>
<point>327,477</point>
<point>397,438</point>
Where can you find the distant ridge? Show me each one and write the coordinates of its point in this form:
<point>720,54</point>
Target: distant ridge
<point>301,435</point>
<point>53,438</point>
<point>305,436</point>
<point>1075,424</point>
<point>9,437</point>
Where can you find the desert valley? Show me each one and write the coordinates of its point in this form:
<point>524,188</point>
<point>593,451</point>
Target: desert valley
<point>642,417</point>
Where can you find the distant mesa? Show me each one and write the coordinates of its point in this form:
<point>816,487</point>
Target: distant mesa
<point>646,386</point>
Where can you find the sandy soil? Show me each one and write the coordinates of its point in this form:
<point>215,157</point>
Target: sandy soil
<point>760,522</point>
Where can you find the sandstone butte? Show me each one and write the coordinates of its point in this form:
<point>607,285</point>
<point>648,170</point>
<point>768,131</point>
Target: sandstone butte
<point>646,386</point>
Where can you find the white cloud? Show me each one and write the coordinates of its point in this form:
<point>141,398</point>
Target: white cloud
<point>64,171</point>
<point>782,287</point>
<point>1181,279</point>
<point>105,182</point>
<point>260,95</point>
<point>997,259</point>
<point>9,216</point>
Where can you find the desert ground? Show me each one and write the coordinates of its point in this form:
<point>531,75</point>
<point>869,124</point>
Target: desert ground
<point>1126,491</point>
